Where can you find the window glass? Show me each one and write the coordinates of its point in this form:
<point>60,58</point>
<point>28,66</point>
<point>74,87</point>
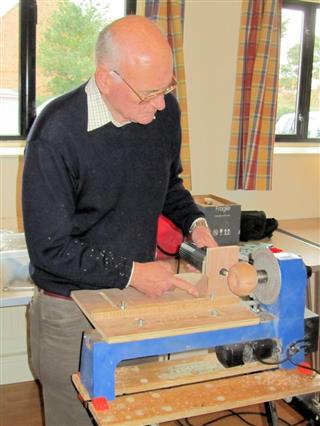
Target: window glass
<point>66,35</point>
<point>298,108</point>
<point>66,32</point>
<point>290,59</point>
<point>314,114</point>
<point>9,82</point>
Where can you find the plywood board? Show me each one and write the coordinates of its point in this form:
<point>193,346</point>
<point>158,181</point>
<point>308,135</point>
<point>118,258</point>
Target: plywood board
<point>149,375</point>
<point>174,313</point>
<point>162,405</point>
<point>146,374</point>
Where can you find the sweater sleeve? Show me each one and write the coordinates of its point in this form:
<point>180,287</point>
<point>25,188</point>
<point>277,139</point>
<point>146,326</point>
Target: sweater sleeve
<point>179,204</point>
<point>49,204</point>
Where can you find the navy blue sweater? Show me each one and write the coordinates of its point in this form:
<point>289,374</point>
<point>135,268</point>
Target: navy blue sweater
<point>91,199</point>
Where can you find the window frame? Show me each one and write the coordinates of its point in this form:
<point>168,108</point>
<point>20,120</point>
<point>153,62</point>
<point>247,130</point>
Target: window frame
<point>304,83</point>
<point>27,68</point>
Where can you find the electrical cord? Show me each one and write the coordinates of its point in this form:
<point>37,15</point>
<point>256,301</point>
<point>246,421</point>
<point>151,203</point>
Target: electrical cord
<point>243,413</point>
<point>262,415</point>
<point>179,423</point>
<point>231,414</point>
<point>292,350</point>
<point>239,415</point>
<point>270,362</point>
<point>300,422</point>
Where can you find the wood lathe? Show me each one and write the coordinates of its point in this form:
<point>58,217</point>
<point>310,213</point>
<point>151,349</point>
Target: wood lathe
<point>249,318</point>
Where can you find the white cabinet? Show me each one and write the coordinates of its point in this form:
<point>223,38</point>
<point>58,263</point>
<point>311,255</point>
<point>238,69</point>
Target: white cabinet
<point>14,365</point>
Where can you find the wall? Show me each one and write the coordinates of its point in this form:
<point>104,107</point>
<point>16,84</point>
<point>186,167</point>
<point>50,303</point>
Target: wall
<point>211,44</point>
<point>10,193</point>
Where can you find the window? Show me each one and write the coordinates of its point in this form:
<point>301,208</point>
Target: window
<point>9,83</point>
<point>298,114</point>
<point>47,49</point>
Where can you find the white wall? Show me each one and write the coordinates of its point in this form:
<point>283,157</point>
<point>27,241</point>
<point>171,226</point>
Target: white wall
<point>10,192</point>
<point>210,46</point>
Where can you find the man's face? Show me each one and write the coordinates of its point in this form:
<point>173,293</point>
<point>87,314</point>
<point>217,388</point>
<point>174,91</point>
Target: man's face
<point>137,96</point>
<point>128,107</point>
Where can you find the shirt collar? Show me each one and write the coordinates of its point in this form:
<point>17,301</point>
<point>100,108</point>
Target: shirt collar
<point>98,113</point>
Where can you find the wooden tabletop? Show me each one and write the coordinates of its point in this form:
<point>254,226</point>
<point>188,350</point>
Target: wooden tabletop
<point>309,252</point>
<point>307,230</point>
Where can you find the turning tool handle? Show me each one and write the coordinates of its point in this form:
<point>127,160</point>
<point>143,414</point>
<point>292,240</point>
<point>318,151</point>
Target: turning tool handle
<point>192,254</point>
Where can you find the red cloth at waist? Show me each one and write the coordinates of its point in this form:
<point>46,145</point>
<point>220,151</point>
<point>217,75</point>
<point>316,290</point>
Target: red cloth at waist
<point>58,296</point>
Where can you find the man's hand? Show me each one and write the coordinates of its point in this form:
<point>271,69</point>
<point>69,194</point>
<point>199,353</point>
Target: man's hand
<point>155,278</point>
<point>202,237</point>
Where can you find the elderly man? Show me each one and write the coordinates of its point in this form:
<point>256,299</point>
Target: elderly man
<point>102,163</point>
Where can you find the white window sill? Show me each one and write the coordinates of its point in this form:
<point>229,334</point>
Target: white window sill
<point>12,148</point>
<point>16,148</point>
<point>302,148</point>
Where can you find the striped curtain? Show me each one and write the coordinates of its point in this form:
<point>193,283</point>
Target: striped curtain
<point>255,102</point>
<point>169,16</point>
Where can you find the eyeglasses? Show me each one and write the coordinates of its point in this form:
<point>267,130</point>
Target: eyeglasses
<point>152,94</point>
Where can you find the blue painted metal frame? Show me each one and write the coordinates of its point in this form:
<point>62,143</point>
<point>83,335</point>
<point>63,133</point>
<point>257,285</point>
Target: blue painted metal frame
<point>99,359</point>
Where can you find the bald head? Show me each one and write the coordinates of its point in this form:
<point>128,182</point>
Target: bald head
<point>133,63</point>
<point>134,41</point>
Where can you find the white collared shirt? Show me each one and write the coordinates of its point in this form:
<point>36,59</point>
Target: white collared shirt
<point>98,113</point>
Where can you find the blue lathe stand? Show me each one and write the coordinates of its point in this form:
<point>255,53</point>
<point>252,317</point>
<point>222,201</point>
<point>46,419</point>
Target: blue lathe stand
<point>129,325</point>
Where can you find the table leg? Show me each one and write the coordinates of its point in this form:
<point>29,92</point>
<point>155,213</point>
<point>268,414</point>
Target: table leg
<point>271,413</point>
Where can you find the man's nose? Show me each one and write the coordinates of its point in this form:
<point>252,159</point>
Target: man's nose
<point>158,102</point>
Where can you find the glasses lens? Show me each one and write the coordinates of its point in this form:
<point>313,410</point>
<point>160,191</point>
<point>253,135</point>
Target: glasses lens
<point>170,89</point>
<point>153,95</point>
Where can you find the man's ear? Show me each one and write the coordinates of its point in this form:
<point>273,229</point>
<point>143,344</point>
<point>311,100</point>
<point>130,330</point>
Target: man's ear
<point>103,79</point>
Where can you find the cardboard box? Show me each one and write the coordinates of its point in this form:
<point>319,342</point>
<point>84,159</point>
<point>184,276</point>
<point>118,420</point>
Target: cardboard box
<point>223,217</point>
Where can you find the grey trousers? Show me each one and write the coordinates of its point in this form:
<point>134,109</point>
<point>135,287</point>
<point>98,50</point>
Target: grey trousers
<point>55,335</point>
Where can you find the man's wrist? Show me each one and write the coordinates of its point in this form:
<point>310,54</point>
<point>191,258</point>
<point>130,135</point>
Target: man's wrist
<point>201,221</point>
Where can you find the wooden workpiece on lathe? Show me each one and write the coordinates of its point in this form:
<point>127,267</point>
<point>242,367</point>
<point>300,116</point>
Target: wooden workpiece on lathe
<point>225,273</point>
<point>242,279</point>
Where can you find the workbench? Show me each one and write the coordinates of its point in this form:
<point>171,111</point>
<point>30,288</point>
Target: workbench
<point>307,230</point>
<point>130,326</point>
<point>210,394</point>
